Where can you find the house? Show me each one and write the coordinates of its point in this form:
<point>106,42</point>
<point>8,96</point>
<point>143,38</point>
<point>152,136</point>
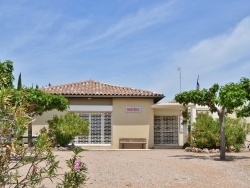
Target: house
<point>116,112</point>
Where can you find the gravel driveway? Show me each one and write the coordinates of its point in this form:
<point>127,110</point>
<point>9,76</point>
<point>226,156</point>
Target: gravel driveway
<point>166,168</point>
<point>160,168</point>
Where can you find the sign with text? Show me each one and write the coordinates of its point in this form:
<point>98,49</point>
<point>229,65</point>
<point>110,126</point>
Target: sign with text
<point>133,109</point>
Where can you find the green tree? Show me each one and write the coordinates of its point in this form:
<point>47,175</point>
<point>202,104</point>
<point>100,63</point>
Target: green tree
<point>18,109</point>
<point>6,76</point>
<point>40,160</point>
<point>244,111</point>
<point>223,100</point>
<point>19,82</point>
<point>65,128</point>
<point>35,101</point>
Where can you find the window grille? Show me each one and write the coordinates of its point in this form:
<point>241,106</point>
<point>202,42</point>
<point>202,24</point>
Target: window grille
<point>99,129</point>
<point>166,130</point>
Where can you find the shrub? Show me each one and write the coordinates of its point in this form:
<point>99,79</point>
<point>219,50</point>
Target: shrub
<point>206,132</point>
<point>64,128</point>
<point>236,131</point>
<point>77,174</point>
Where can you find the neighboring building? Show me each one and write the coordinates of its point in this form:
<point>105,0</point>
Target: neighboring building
<point>116,112</point>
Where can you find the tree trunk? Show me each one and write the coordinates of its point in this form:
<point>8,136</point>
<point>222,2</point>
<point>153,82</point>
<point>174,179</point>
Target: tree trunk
<point>30,135</point>
<point>222,137</point>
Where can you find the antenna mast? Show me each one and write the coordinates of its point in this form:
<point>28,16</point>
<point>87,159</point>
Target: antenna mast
<point>179,69</point>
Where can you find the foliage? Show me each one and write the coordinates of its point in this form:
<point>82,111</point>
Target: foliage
<point>186,121</point>
<point>19,82</point>
<point>6,76</point>
<point>186,116</point>
<point>236,132</point>
<point>13,155</point>
<point>34,100</point>
<point>206,131</point>
<point>39,102</point>
<point>17,110</point>
<point>223,100</point>
<point>65,128</point>
<point>244,111</point>
<point>77,174</point>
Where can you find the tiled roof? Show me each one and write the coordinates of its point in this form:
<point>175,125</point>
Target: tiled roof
<point>94,88</point>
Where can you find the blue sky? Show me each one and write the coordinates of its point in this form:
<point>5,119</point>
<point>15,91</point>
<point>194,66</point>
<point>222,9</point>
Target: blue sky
<point>134,43</point>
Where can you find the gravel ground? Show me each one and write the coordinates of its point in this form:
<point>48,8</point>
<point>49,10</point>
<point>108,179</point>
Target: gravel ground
<point>161,168</point>
<point>166,168</point>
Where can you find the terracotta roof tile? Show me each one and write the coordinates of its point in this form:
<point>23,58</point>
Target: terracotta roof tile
<point>94,88</point>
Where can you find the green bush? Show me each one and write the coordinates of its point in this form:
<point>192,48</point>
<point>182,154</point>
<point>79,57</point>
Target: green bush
<point>64,128</point>
<point>236,131</point>
<point>206,132</point>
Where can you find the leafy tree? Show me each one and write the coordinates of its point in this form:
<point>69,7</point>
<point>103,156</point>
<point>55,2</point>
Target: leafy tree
<point>65,128</point>
<point>6,76</point>
<point>223,100</point>
<point>14,120</point>
<point>17,111</point>
<point>35,101</point>
<point>244,111</point>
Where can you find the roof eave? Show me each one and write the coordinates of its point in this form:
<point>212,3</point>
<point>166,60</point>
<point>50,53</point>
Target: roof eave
<point>156,98</point>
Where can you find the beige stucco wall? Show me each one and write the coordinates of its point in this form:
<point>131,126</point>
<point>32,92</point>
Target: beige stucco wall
<point>124,124</point>
<point>90,101</point>
<point>130,131</point>
<point>132,124</point>
<point>41,121</point>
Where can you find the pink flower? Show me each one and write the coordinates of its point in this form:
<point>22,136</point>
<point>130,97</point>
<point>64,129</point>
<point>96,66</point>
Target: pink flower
<point>77,164</point>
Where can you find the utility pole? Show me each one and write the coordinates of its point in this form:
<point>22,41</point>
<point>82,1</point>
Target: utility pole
<point>179,69</point>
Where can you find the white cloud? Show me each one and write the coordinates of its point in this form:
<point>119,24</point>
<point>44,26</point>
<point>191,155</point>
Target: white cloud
<point>217,60</point>
<point>132,23</point>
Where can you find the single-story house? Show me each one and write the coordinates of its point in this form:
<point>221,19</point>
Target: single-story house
<point>117,112</point>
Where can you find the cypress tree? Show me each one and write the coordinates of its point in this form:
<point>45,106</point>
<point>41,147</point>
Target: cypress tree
<point>19,83</point>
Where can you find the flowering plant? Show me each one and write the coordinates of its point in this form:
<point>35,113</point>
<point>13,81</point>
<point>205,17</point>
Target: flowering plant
<point>77,174</point>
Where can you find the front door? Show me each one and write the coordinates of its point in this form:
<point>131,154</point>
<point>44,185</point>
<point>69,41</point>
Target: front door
<point>166,130</point>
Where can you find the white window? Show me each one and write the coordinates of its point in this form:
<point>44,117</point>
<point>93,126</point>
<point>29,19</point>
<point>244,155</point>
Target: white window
<point>99,128</point>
